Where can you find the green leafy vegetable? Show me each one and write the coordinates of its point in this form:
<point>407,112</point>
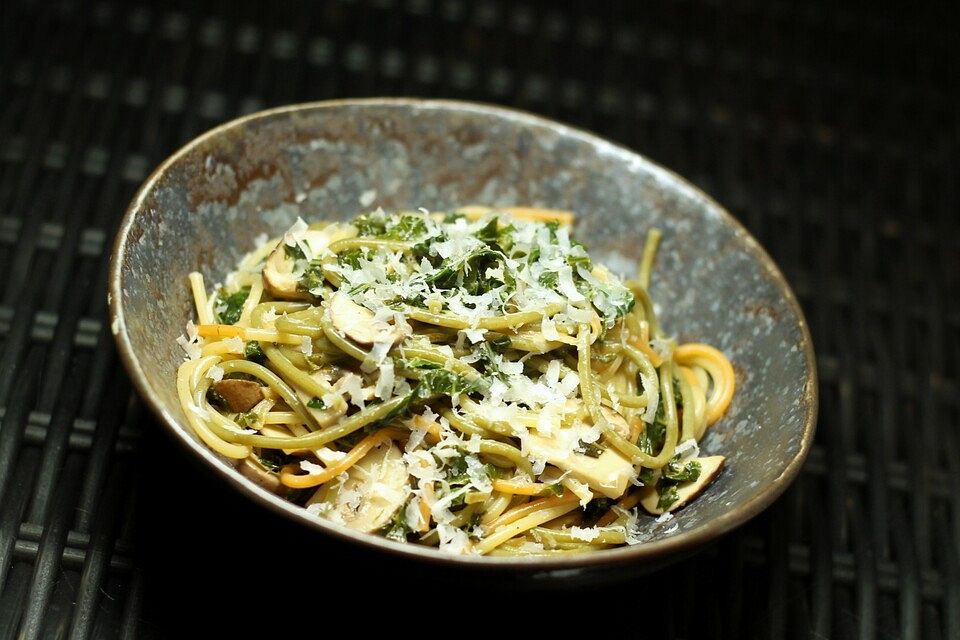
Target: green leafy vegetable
<point>272,459</point>
<point>499,343</point>
<point>229,306</point>
<point>407,228</point>
<point>668,496</point>
<point>351,257</point>
<point>254,352</point>
<point>647,476</point>
<point>612,301</point>
<point>682,472</point>
<point>555,489</point>
<point>549,279</point>
<point>312,277</point>
<point>435,382</point>
<point>418,364</point>
<point>596,509</point>
<point>248,420</point>
<point>294,252</point>
<point>589,449</point>
<point>370,225</point>
<point>397,528</point>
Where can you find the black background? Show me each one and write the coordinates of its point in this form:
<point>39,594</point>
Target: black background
<point>830,130</point>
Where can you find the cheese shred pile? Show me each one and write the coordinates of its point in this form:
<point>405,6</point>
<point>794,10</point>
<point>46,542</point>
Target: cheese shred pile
<point>470,380</point>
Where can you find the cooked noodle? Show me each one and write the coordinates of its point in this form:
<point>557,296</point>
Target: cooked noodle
<point>471,381</point>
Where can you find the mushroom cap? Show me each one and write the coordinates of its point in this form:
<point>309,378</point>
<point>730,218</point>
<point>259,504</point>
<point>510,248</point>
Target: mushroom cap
<point>357,322</point>
<point>375,488</point>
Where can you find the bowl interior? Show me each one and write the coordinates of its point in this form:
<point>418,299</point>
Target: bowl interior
<point>203,209</point>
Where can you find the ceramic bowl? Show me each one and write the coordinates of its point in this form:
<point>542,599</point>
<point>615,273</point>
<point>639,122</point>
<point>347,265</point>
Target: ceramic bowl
<point>204,206</point>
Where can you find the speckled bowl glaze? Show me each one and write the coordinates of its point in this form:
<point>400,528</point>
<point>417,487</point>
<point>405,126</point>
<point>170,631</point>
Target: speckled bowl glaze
<point>203,207</point>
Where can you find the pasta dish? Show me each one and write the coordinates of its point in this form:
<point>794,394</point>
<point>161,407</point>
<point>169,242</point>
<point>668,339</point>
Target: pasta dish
<point>472,381</point>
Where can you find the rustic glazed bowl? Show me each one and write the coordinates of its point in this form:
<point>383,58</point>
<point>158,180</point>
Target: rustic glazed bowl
<point>203,207</point>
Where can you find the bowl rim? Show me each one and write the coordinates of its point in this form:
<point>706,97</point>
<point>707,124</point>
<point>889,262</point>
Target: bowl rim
<point>674,545</point>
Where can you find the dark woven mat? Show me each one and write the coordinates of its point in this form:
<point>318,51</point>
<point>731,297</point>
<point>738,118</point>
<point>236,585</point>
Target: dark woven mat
<point>831,132</point>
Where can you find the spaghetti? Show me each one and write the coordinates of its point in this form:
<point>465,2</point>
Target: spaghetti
<point>471,381</point>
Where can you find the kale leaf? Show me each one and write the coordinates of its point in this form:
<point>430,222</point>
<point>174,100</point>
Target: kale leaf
<point>229,306</point>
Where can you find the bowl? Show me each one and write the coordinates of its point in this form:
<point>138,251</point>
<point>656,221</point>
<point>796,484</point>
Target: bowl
<point>202,209</point>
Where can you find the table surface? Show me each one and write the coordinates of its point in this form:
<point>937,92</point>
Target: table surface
<point>833,134</point>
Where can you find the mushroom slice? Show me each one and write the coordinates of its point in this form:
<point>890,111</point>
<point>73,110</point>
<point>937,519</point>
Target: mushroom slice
<point>240,395</point>
<point>280,276</point>
<point>686,491</point>
<point>320,415</point>
<point>375,488</point>
<point>609,474</point>
<point>617,421</point>
<point>357,322</point>
<point>253,469</point>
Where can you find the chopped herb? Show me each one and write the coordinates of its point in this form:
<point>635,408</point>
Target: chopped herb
<point>229,306</point>
<point>457,475</point>
<point>549,279</point>
<point>682,472</point>
<point>457,471</point>
<point>434,382</point>
<point>612,300</point>
<point>499,343</point>
<point>419,364</point>
<point>647,476</point>
<point>589,449</point>
<point>596,509</point>
<point>316,403</point>
<point>505,238</point>
<point>408,228</point>
<point>312,277</point>
<point>653,436</point>
<point>254,352</point>
<point>488,233</point>
<point>369,225</point>
<point>668,496</point>
<point>467,272</point>
<point>294,252</point>
<point>351,257</point>
<point>397,528</point>
<point>401,410</point>
<point>555,489</point>
<point>272,459</point>
<point>248,419</point>
<point>579,260</point>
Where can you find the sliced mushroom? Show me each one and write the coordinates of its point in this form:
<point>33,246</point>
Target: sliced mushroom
<point>279,275</point>
<point>374,489</point>
<point>280,431</point>
<point>253,469</point>
<point>305,397</point>
<point>240,395</point>
<point>357,322</point>
<point>608,474</point>
<point>710,466</point>
<point>617,421</point>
